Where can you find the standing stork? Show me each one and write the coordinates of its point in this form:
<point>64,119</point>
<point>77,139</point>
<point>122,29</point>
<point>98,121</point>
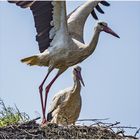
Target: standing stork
<point>60,38</point>
<point>66,104</point>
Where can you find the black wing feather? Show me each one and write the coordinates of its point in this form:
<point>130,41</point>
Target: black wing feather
<point>105,3</point>
<point>42,12</point>
<point>99,9</point>
<point>94,14</point>
<point>43,15</point>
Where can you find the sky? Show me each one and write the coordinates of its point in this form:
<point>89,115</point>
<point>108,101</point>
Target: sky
<point>111,74</point>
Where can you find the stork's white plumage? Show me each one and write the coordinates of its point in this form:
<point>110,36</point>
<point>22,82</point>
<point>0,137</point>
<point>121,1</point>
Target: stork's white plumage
<point>66,104</point>
<point>60,38</point>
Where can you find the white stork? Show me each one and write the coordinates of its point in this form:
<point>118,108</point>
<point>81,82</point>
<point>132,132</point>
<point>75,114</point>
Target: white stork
<point>66,104</point>
<point>60,37</point>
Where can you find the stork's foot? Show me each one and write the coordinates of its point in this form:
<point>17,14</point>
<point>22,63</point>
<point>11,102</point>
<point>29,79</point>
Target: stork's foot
<point>44,122</point>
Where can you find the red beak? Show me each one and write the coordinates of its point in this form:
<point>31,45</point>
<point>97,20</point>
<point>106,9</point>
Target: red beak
<point>110,31</point>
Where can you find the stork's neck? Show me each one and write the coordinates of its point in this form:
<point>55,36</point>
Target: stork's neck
<point>93,43</point>
<point>77,85</point>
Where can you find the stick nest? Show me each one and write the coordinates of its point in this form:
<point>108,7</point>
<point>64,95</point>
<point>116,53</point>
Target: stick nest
<point>32,130</point>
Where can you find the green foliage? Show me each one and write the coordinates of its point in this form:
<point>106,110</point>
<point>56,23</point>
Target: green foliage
<point>10,115</point>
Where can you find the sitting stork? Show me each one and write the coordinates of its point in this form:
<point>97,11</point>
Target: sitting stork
<point>60,37</point>
<point>66,104</point>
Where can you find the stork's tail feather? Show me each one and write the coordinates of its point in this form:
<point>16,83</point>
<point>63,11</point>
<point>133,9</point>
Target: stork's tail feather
<point>33,60</point>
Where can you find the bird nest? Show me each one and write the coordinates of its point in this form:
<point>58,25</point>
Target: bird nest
<point>32,130</point>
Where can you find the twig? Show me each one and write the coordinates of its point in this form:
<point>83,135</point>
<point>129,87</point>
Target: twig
<point>106,124</point>
<point>120,132</point>
<point>92,119</point>
<point>128,136</point>
<point>3,135</point>
<point>113,124</point>
<point>137,132</point>
<point>33,120</point>
<point>124,127</point>
<point>116,123</point>
<point>22,130</point>
<point>29,133</point>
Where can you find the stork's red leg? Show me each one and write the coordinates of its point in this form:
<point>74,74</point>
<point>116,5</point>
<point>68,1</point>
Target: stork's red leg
<point>49,86</point>
<point>41,93</point>
<point>47,90</point>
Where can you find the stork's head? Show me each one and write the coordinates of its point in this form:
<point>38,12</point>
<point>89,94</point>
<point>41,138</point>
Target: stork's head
<point>102,26</point>
<point>77,74</point>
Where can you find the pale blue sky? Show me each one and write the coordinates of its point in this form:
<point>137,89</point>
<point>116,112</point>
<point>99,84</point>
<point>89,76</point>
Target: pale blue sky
<point>111,73</point>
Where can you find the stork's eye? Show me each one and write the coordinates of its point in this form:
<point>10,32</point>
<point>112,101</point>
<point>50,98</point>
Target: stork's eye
<point>101,24</point>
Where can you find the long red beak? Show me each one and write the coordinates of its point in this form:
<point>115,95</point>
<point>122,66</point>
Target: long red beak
<point>110,31</point>
<point>80,78</point>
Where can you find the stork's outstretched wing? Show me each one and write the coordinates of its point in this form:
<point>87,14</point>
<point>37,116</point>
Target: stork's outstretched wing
<point>79,15</point>
<point>97,7</point>
<point>48,17</point>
